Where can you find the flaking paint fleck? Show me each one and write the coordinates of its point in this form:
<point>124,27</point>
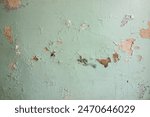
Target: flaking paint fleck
<point>126,19</point>
<point>139,58</point>
<point>35,58</point>
<point>53,53</point>
<point>12,66</point>
<point>8,34</point>
<point>116,57</point>
<point>17,50</point>
<point>84,26</point>
<point>46,49</point>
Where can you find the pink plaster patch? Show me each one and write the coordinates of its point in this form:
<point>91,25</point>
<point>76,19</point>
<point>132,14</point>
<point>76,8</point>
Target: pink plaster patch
<point>145,33</point>
<point>126,45</point>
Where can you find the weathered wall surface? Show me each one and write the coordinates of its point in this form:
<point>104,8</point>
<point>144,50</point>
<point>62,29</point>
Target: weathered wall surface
<point>74,49</point>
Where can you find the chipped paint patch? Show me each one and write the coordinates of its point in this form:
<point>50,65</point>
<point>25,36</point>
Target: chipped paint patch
<point>17,50</point>
<point>46,49</point>
<point>12,4</point>
<point>143,88</point>
<point>84,26</point>
<point>137,47</point>
<point>126,19</point>
<point>53,53</point>
<point>8,34</point>
<point>59,42</point>
<point>145,33</point>
<point>104,62</point>
<point>126,46</point>
<point>82,60</point>
<point>68,23</point>
<point>12,66</point>
<point>35,58</point>
<point>139,58</point>
<point>116,57</point>
<point>85,62</point>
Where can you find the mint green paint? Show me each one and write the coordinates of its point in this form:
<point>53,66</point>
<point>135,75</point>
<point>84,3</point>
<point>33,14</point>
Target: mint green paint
<point>41,21</point>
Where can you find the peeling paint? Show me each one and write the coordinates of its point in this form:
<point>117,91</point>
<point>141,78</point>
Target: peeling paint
<point>116,57</point>
<point>17,50</point>
<point>12,4</point>
<point>84,26</point>
<point>46,35</point>
<point>8,34</point>
<point>104,62</point>
<point>68,23</point>
<point>143,88</point>
<point>83,61</point>
<point>126,19</point>
<point>35,58</point>
<point>12,66</point>
<point>145,33</point>
<point>137,47</point>
<point>139,58</point>
<point>53,53</point>
<point>46,49</point>
<point>126,46</point>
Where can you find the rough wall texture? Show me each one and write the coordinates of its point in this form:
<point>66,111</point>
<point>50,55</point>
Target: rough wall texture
<point>74,49</point>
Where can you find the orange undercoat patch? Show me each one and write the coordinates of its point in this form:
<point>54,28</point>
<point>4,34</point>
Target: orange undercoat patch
<point>126,45</point>
<point>116,57</point>
<point>104,61</point>
<point>145,33</point>
<point>8,34</point>
<point>12,4</point>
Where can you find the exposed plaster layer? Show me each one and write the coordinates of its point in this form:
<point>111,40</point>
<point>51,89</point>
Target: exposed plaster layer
<point>145,33</point>
<point>104,61</point>
<point>126,46</point>
<point>7,31</point>
<point>12,4</point>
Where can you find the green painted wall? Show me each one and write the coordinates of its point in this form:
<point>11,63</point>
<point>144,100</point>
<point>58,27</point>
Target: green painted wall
<point>71,28</point>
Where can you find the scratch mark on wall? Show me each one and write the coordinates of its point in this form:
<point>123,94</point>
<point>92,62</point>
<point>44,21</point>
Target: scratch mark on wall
<point>59,42</point>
